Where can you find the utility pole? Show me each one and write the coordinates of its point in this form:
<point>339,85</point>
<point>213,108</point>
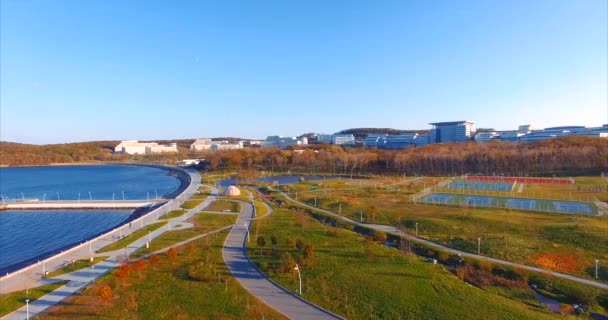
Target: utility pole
<point>478,246</point>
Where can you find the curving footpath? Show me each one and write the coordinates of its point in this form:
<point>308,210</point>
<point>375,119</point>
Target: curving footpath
<point>245,271</point>
<point>397,232</point>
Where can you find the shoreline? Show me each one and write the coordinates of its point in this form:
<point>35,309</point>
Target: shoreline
<point>181,175</point>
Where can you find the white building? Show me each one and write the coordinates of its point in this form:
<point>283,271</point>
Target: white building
<point>486,136</point>
<point>135,147</point>
<point>208,144</point>
<point>201,144</point>
<point>225,145</point>
<point>343,139</point>
<point>283,142</point>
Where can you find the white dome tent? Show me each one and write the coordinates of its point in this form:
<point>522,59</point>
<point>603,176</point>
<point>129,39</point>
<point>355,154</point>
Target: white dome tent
<point>232,191</point>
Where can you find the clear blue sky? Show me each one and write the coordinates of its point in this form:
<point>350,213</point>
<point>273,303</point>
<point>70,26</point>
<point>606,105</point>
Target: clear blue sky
<point>97,70</point>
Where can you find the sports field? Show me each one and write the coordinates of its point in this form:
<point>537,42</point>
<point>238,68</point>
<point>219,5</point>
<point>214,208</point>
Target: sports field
<point>482,185</point>
<point>561,206</point>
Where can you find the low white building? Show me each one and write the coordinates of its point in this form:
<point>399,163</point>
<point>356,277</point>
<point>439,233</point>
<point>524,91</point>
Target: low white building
<point>134,147</point>
<point>208,144</point>
<point>340,139</point>
<point>201,144</point>
<point>283,142</point>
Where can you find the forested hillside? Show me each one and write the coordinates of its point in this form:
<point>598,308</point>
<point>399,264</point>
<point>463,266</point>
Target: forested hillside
<point>563,156</point>
<point>569,155</point>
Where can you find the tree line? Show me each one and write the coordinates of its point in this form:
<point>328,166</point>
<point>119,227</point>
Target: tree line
<point>562,156</point>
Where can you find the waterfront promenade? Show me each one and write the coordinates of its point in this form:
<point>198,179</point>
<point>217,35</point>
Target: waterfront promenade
<point>30,276</point>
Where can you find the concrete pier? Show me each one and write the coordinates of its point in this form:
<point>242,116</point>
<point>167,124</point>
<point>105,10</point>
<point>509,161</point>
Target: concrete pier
<point>82,204</point>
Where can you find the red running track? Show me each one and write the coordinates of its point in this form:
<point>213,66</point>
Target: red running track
<point>520,179</point>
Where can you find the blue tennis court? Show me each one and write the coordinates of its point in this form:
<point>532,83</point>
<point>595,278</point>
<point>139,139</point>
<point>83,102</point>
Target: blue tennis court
<point>527,204</point>
<point>481,185</point>
<point>438,198</point>
<point>478,201</point>
<point>572,207</point>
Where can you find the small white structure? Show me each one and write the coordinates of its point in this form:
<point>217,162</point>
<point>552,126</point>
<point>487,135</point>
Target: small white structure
<point>135,147</point>
<point>232,191</point>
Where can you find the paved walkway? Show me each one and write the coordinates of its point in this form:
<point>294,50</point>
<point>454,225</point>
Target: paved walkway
<point>245,271</point>
<point>395,231</point>
<point>81,278</point>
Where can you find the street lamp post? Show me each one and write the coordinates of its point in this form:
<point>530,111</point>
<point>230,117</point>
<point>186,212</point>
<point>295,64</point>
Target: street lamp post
<point>90,196</point>
<point>340,209</point>
<point>247,235</point>
<point>416,229</point>
<point>57,195</point>
<point>44,198</point>
<point>22,196</point>
<point>297,268</point>
<point>478,245</point>
<point>123,195</point>
<point>27,309</point>
<point>597,263</point>
<point>91,251</point>
<point>149,239</point>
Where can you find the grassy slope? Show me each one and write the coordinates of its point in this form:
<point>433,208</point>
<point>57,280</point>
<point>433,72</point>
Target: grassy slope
<point>165,291</point>
<point>391,285</point>
<point>203,222</point>
<point>132,237</point>
<point>173,214</point>
<point>223,205</point>
<point>506,234</point>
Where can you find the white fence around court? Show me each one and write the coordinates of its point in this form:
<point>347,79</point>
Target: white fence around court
<point>123,230</point>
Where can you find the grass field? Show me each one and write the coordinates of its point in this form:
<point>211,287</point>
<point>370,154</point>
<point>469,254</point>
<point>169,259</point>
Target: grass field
<point>13,301</point>
<point>190,204</point>
<point>77,265</point>
<point>524,237</point>
<point>173,214</point>
<point>132,237</point>
<point>203,222</point>
<point>185,287</point>
<point>224,205</point>
<point>362,280</point>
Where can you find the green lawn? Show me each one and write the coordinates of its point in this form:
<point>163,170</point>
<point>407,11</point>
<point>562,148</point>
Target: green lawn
<point>203,222</point>
<point>13,301</point>
<point>173,214</point>
<point>77,265</point>
<point>183,288</point>
<point>224,205</point>
<point>189,204</point>
<point>363,280</point>
<point>260,209</point>
<point>132,237</point>
<point>524,237</point>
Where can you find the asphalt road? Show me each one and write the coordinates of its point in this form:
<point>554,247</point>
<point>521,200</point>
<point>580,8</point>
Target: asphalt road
<point>395,231</point>
<point>245,271</point>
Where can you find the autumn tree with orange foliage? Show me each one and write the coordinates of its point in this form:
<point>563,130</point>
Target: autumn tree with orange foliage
<point>138,266</point>
<point>123,272</point>
<point>105,293</point>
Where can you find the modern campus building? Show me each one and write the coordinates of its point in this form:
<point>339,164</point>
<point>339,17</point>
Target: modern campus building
<point>208,144</point>
<point>343,139</point>
<point>453,131</point>
<point>283,142</point>
<point>134,147</point>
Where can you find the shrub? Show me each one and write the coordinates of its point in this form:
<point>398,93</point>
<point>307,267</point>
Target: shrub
<point>105,293</point>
